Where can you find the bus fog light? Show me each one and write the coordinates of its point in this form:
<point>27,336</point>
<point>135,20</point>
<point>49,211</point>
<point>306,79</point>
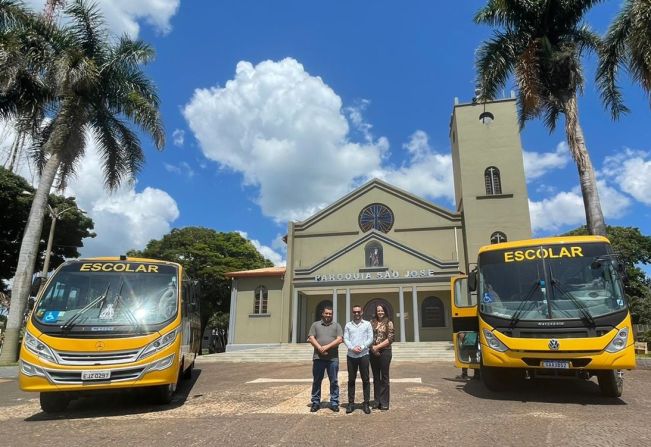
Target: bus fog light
<point>31,370</point>
<point>163,363</point>
<point>619,342</point>
<point>494,342</point>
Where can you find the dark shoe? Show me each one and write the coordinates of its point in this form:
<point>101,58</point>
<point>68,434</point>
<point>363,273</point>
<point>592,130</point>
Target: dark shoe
<point>335,408</point>
<point>350,408</point>
<point>314,408</point>
<point>366,408</point>
<point>383,407</point>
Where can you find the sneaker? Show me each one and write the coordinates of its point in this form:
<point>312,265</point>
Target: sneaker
<point>350,408</point>
<point>314,408</point>
<point>335,408</point>
<point>366,408</point>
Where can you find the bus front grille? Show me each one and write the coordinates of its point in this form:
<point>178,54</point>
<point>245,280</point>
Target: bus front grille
<point>97,358</point>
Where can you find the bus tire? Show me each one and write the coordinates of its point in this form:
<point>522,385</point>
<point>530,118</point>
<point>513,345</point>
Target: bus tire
<point>163,394</point>
<point>495,379</point>
<point>611,383</point>
<point>54,402</point>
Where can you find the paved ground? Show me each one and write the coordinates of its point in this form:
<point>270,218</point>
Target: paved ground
<point>232,404</point>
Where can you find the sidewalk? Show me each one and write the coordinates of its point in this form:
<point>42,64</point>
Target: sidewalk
<point>8,372</point>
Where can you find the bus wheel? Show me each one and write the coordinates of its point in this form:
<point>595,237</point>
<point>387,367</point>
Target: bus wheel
<point>611,383</point>
<point>162,395</point>
<point>495,379</point>
<point>54,402</point>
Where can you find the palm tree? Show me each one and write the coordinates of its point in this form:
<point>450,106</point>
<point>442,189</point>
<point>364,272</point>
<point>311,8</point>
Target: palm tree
<point>627,44</point>
<point>541,42</point>
<point>98,89</point>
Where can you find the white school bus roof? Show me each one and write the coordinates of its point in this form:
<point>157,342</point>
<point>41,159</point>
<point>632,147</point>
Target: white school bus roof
<point>562,240</point>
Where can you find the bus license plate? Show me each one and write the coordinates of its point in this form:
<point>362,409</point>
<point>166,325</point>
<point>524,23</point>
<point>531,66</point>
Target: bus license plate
<point>95,375</point>
<point>556,364</point>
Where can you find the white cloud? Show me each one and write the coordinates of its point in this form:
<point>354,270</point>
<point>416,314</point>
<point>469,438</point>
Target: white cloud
<point>182,168</point>
<point>566,208</point>
<point>125,219</point>
<point>427,173</point>
<point>124,16</point>
<point>631,170</point>
<point>537,164</point>
<point>268,252</point>
<point>178,137</point>
<point>285,132</point>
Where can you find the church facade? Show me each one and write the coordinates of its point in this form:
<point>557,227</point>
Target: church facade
<point>383,245</point>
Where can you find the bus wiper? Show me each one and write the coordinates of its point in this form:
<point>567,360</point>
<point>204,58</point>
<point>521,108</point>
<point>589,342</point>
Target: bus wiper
<point>71,323</point>
<point>134,321</point>
<point>577,302</point>
<point>520,310</point>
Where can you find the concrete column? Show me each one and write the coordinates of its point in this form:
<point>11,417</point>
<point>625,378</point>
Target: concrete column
<point>402,315</point>
<point>294,315</point>
<point>414,299</point>
<point>347,305</point>
<point>233,312</point>
<point>334,305</point>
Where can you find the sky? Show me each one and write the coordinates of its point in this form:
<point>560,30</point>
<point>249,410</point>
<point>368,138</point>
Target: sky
<point>274,110</point>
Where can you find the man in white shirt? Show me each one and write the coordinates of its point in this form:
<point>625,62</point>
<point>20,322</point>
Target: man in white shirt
<point>358,337</point>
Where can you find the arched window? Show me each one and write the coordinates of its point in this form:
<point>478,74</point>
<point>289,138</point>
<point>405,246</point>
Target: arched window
<point>498,237</point>
<point>260,305</point>
<point>493,181</point>
<point>433,312</point>
<point>374,254</point>
<point>486,118</point>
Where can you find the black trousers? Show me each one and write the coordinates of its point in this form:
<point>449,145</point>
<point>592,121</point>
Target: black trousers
<point>354,364</point>
<point>380,366</point>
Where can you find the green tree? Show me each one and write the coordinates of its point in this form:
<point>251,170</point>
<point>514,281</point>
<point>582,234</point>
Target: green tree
<point>91,84</point>
<point>15,199</point>
<point>633,249</point>
<point>627,44</point>
<point>541,43</point>
<point>207,255</point>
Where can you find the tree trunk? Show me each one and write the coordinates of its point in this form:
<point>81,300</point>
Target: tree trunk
<point>27,259</point>
<point>591,203</point>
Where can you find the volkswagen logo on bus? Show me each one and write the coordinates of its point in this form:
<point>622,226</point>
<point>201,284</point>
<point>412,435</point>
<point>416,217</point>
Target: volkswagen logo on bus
<point>554,344</point>
<point>99,345</point>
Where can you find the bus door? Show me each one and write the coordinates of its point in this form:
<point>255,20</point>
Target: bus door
<point>465,324</point>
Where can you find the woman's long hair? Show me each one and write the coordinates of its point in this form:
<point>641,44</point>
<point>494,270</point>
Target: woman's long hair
<point>386,313</point>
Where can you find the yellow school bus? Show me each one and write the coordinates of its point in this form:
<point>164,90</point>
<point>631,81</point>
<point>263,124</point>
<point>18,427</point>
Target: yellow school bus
<point>552,307</point>
<point>110,323</point>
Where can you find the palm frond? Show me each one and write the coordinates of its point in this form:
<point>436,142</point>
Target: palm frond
<point>87,26</point>
<point>494,62</point>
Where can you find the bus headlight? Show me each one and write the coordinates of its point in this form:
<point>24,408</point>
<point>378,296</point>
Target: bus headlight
<point>161,342</point>
<point>494,342</point>
<point>619,342</point>
<point>39,348</point>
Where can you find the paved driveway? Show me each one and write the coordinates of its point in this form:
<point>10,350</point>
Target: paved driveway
<point>267,404</point>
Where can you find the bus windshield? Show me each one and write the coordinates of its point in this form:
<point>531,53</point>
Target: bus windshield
<point>543,282</point>
<point>109,294</point>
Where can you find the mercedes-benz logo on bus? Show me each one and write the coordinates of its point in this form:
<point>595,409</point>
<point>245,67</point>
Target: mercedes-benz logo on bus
<point>99,345</point>
<point>554,344</point>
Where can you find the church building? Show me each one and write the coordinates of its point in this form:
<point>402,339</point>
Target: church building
<point>380,244</point>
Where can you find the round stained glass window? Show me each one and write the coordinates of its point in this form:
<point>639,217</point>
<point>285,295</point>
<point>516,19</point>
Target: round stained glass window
<point>376,216</point>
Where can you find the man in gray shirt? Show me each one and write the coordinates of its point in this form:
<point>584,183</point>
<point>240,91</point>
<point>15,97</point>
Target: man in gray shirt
<point>358,336</point>
<point>325,335</point>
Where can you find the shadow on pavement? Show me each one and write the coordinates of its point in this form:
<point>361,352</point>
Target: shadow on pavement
<point>120,402</point>
<point>583,392</point>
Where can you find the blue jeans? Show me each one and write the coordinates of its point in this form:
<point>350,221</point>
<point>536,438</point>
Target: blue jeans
<point>319,367</point>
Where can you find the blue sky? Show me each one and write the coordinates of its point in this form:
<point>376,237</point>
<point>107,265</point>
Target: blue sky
<point>275,109</point>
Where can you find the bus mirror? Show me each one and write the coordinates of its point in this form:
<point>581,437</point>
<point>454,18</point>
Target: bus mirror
<point>30,303</point>
<point>595,265</point>
<point>36,285</point>
<point>472,281</point>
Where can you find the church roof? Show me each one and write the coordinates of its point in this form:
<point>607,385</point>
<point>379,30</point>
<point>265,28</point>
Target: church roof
<point>267,271</point>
